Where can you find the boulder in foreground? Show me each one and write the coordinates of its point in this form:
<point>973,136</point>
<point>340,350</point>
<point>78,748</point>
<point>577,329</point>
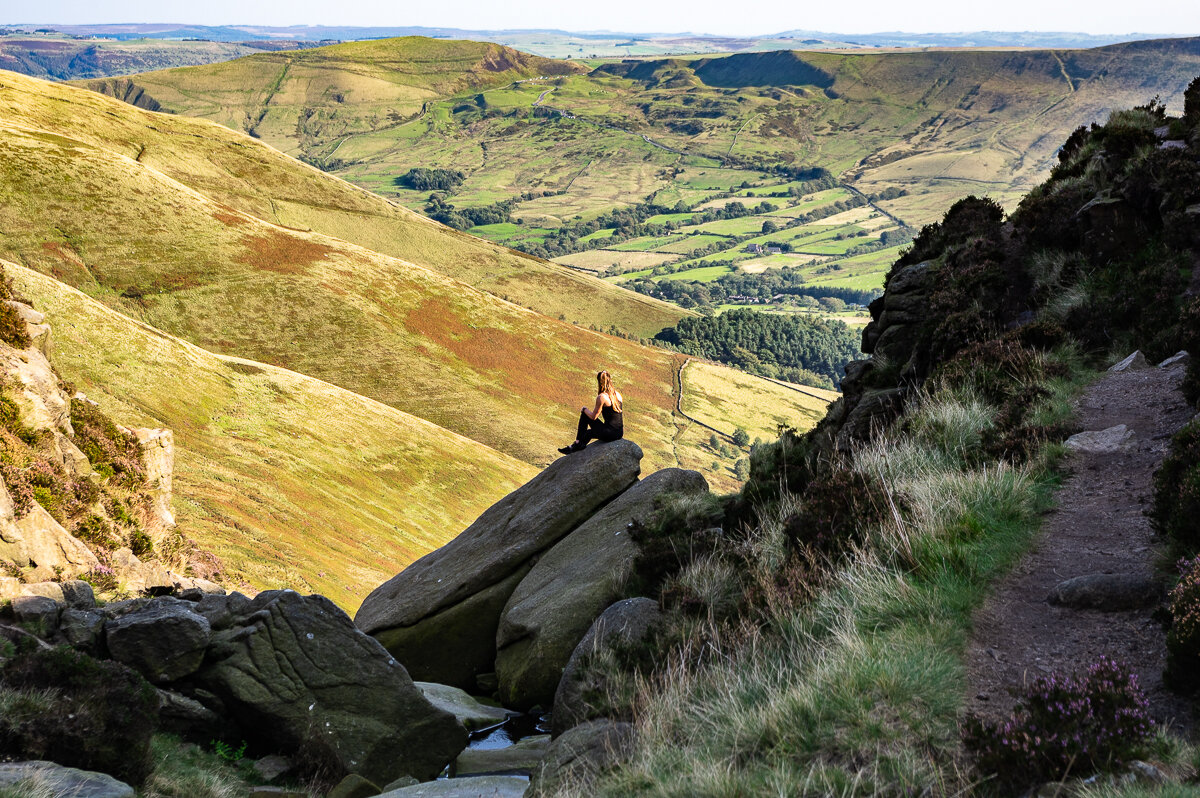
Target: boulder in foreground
<point>56,781</point>
<point>294,669</point>
<point>555,604</point>
<point>439,615</point>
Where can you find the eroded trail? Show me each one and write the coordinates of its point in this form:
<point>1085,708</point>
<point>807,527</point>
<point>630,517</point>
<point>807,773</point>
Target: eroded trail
<point>1098,527</point>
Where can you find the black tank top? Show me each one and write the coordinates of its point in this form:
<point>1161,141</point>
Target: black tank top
<point>611,417</point>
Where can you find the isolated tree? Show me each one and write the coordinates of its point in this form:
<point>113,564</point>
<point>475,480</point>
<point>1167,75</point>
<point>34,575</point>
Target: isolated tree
<point>769,227</point>
<point>741,469</point>
<point>741,437</point>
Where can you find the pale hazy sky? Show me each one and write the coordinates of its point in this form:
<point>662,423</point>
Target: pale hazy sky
<point>736,17</point>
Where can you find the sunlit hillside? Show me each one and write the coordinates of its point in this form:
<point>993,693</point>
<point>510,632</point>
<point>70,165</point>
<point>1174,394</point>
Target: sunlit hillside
<point>291,481</point>
<point>178,257</point>
<point>902,133</point>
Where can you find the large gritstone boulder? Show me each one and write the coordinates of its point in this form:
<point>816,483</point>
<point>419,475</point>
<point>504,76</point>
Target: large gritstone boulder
<point>439,616</point>
<point>164,640</point>
<point>628,624</point>
<point>296,671</point>
<point>553,607</point>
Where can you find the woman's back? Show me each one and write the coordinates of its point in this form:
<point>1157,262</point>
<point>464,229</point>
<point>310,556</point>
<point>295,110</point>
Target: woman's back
<point>612,416</point>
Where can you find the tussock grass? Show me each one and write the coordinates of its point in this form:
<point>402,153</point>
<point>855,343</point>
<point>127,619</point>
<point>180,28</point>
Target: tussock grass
<point>187,771</point>
<point>858,690</point>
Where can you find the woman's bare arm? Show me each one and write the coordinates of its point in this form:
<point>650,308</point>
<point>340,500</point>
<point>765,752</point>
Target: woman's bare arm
<point>594,414</point>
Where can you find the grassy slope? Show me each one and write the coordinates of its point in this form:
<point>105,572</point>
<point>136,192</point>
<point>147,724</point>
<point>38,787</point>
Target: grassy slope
<point>291,481</point>
<point>385,328</point>
<point>233,169</point>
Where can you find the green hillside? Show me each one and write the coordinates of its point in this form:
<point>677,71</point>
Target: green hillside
<point>291,481</point>
<point>236,171</point>
<point>179,258</point>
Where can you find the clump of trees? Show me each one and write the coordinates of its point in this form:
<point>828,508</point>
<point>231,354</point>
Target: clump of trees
<point>423,179</point>
<point>806,350</point>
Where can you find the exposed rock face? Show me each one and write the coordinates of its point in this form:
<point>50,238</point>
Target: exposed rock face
<point>439,616</point>
<point>35,325</point>
<point>165,640</point>
<point>293,669</point>
<point>579,755</point>
<point>555,604</point>
<point>62,781</point>
<point>38,614</point>
<point>83,629</point>
<point>626,623</point>
<point>141,577</point>
<point>33,386</point>
<point>870,398</point>
<point>158,455</point>
<point>37,540</point>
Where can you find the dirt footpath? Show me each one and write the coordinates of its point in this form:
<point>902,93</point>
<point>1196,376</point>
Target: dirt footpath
<point>1099,527</point>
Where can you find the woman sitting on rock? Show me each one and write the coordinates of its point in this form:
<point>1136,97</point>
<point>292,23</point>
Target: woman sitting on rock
<point>591,427</point>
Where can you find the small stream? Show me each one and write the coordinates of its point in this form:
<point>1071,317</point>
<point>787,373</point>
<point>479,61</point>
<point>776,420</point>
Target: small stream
<point>503,735</point>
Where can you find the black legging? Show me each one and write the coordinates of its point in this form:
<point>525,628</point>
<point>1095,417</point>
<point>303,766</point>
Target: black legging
<point>593,429</point>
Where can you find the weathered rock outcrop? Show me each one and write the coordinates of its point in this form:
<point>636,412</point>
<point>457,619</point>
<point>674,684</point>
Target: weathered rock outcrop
<point>36,540</point>
<point>439,616</point>
<point>582,753</point>
<point>158,456</point>
<point>295,670</point>
<point>554,605</point>
<point>165,640</point>
<point>627,623</point>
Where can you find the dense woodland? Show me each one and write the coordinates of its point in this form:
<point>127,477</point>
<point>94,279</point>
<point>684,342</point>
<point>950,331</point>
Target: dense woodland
<point>810,351</point>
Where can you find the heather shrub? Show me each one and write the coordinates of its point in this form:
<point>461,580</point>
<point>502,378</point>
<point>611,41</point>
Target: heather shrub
<point>969,217</point>
<point>836,511</point>
<point>10,419</point>
<point>1183,637</point>
<point>680,531</point>
<point>12,327</point>
<point>102,579</point>
<point>99,715</point>
<point>97,533</point>
<point>1177,490</point>
<point>1191,102</point>
<point>109,449</point>
<point>1065,726</point>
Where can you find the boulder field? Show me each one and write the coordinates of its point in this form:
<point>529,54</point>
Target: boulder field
<point>511,597</point>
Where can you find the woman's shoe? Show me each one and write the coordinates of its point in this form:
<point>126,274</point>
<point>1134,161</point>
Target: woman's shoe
<point>566,449</point>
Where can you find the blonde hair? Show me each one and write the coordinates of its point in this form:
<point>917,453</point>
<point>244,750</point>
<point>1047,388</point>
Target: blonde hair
<point>604,385</point>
